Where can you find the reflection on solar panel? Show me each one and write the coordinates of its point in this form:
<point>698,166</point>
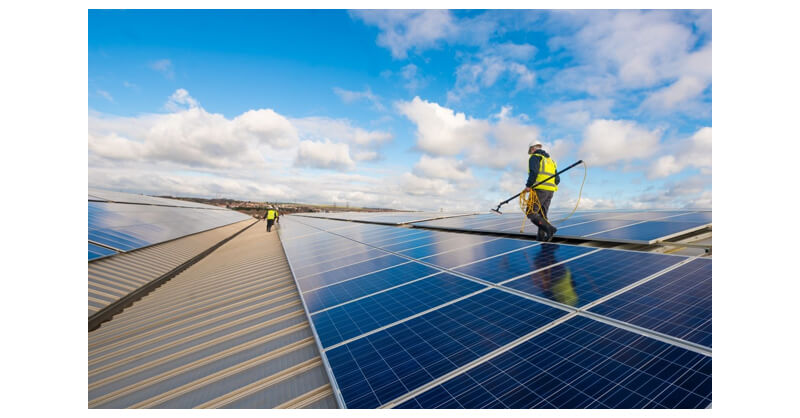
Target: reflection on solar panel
<point>419,322</point>
<point>387,218</point>
<point>586,279</point>
<point>580,364</point>
<point>677,303</point>
<point>127,227</point>
<point>614,226</point>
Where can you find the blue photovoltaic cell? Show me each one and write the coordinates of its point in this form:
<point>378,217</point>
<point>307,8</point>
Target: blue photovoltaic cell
<point>586,279</point>
<point>513,264</point>
<point>348,272</point>
<point>416,242</point>
<point>580,364</point>
<point>96,251</point>
<point>353,319</point>
<point>647,231</point>
<point>699,217</point>
<point>476,252</point>
<point>446,243</point>
<point>131,226</point>
<point>374,282</point>
<point>582,230</point>
<point>378,368</point>
<point>677,303</point>
<point>314,265</point>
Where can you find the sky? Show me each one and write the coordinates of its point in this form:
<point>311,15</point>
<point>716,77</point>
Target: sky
<point>422,110</point>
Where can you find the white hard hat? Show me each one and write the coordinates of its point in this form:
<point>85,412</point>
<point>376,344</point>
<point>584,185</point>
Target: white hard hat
<point>534,144</point>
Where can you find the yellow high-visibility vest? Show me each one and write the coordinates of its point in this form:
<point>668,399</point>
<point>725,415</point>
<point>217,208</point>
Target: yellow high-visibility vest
<point>564,291</point>
<point>271,214</point>
<point>547,167</point>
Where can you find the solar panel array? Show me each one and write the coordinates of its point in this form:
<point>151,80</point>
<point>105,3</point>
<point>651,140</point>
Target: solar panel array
<point>633,227</point>
<point>385,218</point>
<point>117,227</point>
<point>411,317</point>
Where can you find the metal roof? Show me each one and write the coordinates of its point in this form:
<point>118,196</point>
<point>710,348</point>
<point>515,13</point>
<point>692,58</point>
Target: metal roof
<point>230,331</point>
<point>117,276</point>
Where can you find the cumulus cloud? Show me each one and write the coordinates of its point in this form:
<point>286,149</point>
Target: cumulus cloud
<point>324,155</point>
<point>339,130</point>
<point>403,30</point>
<point>441,131</point>
<point>180,100</point>
<point>164,66</point>
<point>499,143</point>
<point>191,137</point>
<point>491,64</point>
<point>607,142</point>
<point>631,49</point>
<point>442,168</point>
<point>691,152</point>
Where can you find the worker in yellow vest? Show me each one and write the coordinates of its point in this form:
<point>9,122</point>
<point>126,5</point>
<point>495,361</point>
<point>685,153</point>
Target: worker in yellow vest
<point>540,167</point>
<point>271,216</point>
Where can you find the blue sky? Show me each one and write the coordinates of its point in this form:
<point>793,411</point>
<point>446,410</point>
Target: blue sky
<point>405,109</point>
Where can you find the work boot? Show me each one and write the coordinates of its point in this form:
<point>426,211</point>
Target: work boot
<point>541,235</point>
<point>550,231</point>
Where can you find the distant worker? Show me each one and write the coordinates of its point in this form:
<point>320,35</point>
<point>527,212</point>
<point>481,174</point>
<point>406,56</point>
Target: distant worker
<point>271,215</point>
<point>540,167</point>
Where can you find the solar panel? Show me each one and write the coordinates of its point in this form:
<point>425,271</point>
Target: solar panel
<point>397,326</point>
<point>380,367</point>
<point>580,363</point>
<point>127,227</point>
<point>364,315</point>
<point>387,218</point>
<point>591,277</point>
<point>614,226</point>
<point>332,295</point>
<point>119,197</point>
<point>677,303</point>
<point>96,251</point>
<point>524,261</point>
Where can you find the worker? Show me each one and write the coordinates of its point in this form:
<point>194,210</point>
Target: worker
<point>540,167</point>
<point>271,215</point>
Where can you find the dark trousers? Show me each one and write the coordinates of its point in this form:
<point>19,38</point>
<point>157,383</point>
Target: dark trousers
<point>269,224</point>
<point>545,196</point>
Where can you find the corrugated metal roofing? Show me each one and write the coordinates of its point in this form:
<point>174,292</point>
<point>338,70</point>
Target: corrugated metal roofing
<point>228,332</point>
<point>115,277</point>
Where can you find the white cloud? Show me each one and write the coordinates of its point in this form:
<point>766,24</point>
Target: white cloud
<point>348,96</point>
<point>179,100</point>
<point>631,49</point>
<point>403,30</point>
<point>324,155</point>
<point>339,130</point>
<point>576,113</point>
<point>491,64</point>
<point>413,80</point>
<point>191,137</point>
<point>442,168</point>
<point>367,156</point>
<point>441,131</point>
<point>419,186</point>
<point>164,66</point>
<point>106,95</point>
<point>607,142</point>
<point>691,152</point>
